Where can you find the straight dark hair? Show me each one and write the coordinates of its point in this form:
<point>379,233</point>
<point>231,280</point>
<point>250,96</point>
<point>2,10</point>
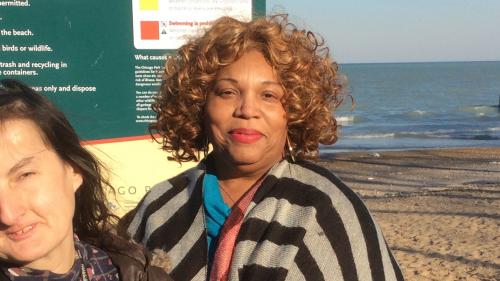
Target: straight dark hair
<point>93,218</point>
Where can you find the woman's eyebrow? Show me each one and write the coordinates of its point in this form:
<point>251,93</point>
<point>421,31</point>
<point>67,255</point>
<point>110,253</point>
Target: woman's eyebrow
<point>232,80</point>
<point>271,83</point>
<point>23,162</point>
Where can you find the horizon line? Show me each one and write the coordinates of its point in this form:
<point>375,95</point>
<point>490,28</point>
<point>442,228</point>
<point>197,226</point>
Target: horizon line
<point>402,62</point>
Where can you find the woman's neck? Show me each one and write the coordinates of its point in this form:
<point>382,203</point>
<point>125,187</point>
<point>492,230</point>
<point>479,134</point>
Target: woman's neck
<point>235,180</point>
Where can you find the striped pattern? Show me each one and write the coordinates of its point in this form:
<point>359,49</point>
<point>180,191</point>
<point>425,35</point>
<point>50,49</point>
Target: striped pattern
<point>302,224</point>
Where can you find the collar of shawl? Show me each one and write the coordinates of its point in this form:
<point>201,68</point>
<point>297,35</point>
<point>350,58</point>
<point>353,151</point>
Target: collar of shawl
<point>278,170</point>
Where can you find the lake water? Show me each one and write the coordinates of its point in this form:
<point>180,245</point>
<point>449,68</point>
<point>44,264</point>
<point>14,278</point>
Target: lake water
<point>420,105</point>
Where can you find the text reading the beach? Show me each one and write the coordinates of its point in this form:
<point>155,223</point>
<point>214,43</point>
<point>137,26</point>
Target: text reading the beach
<point>16,32</point>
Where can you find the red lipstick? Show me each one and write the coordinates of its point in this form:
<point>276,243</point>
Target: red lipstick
<point>245,135</point>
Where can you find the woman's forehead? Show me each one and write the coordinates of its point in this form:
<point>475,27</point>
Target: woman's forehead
<point>21,136</point>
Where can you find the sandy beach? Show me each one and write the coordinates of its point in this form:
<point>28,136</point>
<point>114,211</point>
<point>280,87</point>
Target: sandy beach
<point>439,209</point>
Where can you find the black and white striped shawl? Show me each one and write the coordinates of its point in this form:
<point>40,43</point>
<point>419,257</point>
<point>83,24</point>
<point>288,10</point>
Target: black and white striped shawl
<point>302,224</point>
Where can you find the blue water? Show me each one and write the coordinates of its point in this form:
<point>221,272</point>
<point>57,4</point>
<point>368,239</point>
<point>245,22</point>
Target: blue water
<point>420,105</point>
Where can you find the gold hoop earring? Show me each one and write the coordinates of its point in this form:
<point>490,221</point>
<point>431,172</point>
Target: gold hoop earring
<point>205,148</point>
<point>290,149</point>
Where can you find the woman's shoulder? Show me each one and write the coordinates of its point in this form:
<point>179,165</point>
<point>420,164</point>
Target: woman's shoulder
<point>181,182</point>
<point>162,201</point>
<point>310,179</point>
<point>134,262</point>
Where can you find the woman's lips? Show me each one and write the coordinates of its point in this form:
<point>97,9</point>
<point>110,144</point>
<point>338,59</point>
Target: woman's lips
<point>245,135</point>
<point>20,233</point>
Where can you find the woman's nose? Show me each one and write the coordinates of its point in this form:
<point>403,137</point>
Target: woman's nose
<point>11,208</point>
<point>247,106</point>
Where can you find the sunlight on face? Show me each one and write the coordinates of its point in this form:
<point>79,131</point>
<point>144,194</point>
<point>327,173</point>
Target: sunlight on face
<point>37,198</point>
<point>245,116</point>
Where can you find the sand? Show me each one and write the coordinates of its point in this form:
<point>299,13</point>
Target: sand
<point>439,209</point>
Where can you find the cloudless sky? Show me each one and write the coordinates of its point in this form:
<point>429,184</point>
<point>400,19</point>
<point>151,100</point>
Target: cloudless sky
<point>401,30</point>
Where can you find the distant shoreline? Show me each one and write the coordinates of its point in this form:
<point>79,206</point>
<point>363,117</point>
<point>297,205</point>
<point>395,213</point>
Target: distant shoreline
<point>419,62</point>
<point>326,152</point>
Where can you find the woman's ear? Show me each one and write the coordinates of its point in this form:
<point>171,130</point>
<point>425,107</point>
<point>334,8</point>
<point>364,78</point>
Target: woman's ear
<point>75,177</point>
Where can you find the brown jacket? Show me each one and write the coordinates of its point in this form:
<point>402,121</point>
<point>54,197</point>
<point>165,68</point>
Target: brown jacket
<point>133,262</point>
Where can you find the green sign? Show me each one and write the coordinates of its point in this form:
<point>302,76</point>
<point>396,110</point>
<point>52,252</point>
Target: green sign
<point>101,61</point>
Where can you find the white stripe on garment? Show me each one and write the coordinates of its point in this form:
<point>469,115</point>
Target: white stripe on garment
<point>162,215</point>
<point>155,192</point>
<point>294,273</point>
<point>188,240</point>
<point>347,214</point>
<point>317,244</point>
<point>200,276</point>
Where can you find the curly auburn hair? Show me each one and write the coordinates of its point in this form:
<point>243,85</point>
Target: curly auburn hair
<point>92,219</point>
<point>299,58</point>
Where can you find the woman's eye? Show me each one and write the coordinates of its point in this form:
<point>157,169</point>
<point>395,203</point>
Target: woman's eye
<point>226,93</point>
<point>25,175</point>
<point>270,96</point>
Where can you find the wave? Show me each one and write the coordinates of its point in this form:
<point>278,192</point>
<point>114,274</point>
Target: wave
<point>418,113</point>
<point>373,136</point>
<point>481,110</point>
<point>408,115</point>
<point>347,120</point>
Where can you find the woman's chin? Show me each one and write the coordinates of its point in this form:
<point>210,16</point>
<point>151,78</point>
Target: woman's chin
<point>29,253</point>
<point>241,160</point>
<point>252,161</point>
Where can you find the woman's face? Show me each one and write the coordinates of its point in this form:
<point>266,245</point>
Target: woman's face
<point>245,117</point>
<point>37,198</point>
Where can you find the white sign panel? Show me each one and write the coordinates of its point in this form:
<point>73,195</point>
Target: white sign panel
<point>166,24</point>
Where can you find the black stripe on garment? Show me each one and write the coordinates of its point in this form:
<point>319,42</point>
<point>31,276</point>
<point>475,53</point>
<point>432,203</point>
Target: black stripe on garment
<point>255,272</point>
<point>258,230</point>
<point>192,262</point>
<point>328,218</point>
<point>170,233</point>
<point>366,221</point>
<point>179,184</point>
<point>307,265</point>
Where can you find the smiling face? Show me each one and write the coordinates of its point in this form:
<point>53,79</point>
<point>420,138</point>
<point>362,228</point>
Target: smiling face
<point>37,200</point>
<point>245,117</point>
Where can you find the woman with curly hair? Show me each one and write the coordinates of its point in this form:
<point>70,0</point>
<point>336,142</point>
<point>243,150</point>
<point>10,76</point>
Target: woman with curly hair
<point>261,93</point>
<point>55,223</point>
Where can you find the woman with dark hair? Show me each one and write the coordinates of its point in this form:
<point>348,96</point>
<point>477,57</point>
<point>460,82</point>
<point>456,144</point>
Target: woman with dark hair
<point>54,216</point>
<point>262,94</point>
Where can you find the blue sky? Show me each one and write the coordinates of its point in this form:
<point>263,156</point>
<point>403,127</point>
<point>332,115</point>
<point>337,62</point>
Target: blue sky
<point>401,30</point>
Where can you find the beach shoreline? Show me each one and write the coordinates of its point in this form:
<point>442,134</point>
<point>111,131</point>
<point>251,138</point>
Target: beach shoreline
<point>439,209</point>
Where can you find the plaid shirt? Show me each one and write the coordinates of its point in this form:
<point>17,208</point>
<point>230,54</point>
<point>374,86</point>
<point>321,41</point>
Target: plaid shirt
<point>96,263</point>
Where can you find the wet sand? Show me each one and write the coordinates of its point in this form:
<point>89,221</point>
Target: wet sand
<point>439,209</point>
